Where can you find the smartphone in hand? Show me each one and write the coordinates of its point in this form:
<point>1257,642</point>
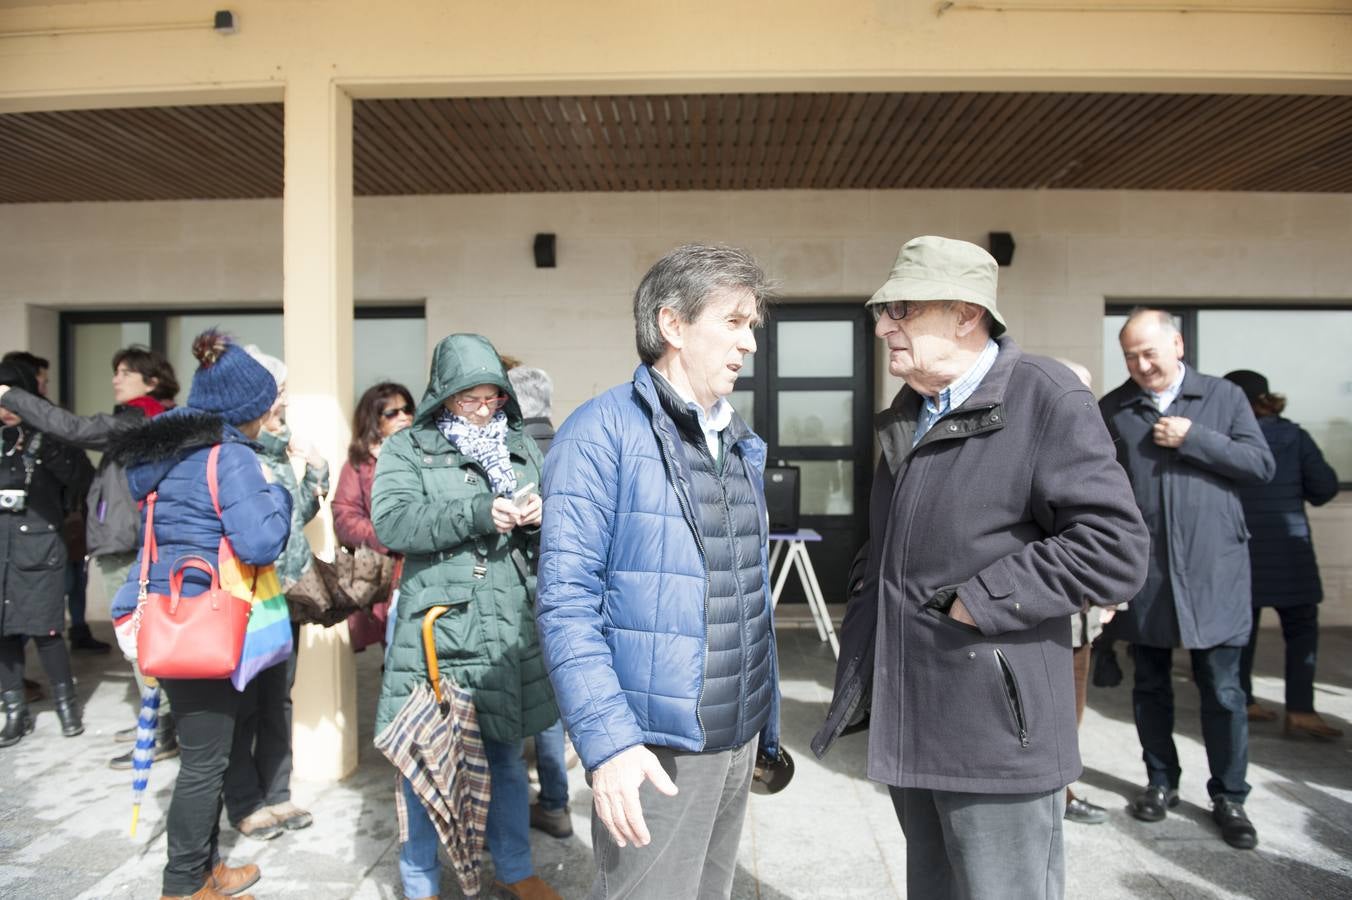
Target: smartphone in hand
<point>522,495</point>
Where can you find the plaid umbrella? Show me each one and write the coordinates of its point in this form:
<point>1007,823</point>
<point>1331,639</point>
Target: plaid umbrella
<point>434,742</point>
<point>144,752</point>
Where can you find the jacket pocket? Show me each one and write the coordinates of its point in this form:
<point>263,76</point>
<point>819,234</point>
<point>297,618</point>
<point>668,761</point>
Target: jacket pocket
<point>459,630</point>
<point>1013,695</point>
<point>950,622</point>
<point>37,548</point>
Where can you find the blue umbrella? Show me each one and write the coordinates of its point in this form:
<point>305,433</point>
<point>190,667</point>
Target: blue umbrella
<point>144,753</point>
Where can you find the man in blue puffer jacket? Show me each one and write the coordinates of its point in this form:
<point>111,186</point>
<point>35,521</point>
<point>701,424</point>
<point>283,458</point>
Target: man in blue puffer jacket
<point>654,603</point>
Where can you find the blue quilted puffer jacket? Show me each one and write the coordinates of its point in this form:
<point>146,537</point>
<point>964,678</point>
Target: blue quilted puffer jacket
<point>622,581</point>
<point>169,454</point>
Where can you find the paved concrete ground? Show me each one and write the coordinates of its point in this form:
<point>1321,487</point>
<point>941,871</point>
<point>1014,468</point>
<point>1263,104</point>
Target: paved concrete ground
<point>64,815</point>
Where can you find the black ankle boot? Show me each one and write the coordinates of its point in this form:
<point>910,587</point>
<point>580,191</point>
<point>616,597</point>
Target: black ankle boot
<point>17,720</point>
<point>67,708</point>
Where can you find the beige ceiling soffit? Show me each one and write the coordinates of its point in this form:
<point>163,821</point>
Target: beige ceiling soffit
<point>141,27</point>
<point>403,87</point>
<point>206,95</point>
<point>961,6</point>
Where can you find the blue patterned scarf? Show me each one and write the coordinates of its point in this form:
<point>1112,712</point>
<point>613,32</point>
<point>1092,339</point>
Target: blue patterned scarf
<point>487,446</point>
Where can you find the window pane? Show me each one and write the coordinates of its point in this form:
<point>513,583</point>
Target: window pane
<point>263,329</point>
<point>815,418</point>
<point>822,349</point>
<point>745,404</point>
<point>1114,369</point>
<point>1304,355</point>
<point>827,487</point>
<point>389,350</point>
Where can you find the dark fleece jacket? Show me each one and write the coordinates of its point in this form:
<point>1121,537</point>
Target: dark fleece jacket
<point>1015,502</point>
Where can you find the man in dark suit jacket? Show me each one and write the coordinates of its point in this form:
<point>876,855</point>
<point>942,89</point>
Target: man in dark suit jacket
<point>1188,441</point>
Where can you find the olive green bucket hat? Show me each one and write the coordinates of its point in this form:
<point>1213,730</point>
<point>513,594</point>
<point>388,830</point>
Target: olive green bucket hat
<point>937,268</point>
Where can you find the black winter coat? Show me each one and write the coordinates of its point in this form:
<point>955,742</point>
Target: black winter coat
<point>1196,591</point>
<point>32,551</point>
<point>1284,569</point>
<point>1014,502</point>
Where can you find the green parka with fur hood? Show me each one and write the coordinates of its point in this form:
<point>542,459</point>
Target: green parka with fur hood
<point>433,504</point>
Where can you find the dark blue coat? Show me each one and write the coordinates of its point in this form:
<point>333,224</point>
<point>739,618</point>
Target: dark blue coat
<point>169,455</point>
<point>1284,569</point>
<point>1197,585</point>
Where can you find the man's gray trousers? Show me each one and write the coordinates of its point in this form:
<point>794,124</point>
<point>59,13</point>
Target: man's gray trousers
<point>695,835</point>
<point>982,846</point>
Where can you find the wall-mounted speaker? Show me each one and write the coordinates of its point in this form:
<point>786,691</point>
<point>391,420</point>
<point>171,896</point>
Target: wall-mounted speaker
<point>224,22</point>
<point>1002,247</point>
<point>544,251</point>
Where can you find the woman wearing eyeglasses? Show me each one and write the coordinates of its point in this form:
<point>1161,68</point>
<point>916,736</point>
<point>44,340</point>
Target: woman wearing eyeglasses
<point>453,495</point>
<point>383,409</point>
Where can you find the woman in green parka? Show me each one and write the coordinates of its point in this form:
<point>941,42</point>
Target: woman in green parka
<point>443,497</point>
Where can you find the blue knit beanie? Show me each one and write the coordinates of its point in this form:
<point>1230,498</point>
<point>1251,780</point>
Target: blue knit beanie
<point>228,381</point>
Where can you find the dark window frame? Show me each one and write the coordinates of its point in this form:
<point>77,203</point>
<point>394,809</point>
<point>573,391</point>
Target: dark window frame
<point>158,318</point>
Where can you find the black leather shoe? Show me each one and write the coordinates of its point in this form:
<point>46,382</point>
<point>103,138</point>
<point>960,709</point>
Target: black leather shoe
<point>82,640</point>
<point>1107,672</point>
<point>1236,828</point>
<point>1084,812</point>
<point>1154,803</point>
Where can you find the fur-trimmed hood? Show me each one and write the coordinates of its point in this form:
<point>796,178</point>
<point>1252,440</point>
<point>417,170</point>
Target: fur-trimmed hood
<point>149,452</point>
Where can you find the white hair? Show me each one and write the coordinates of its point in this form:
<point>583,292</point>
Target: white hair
<point>276,368</point>
<point>1080,371</point>
<point>534,391</point>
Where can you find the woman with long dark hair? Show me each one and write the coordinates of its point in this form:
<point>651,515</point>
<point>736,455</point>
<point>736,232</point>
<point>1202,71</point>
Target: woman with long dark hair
<point>1285,573</point>
<point>383,409</point>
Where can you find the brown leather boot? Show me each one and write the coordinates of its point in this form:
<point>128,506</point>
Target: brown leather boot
<point>532,888</point>
<point>1310,724</point>
<point>1259,713</point>
<point>206,892</point>
<point>231,880</point>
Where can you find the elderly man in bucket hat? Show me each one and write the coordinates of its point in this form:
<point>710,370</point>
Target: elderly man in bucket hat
<point>998,511</point>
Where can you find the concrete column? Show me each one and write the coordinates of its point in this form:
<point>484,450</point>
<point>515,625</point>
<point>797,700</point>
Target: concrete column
<point>317,317</point>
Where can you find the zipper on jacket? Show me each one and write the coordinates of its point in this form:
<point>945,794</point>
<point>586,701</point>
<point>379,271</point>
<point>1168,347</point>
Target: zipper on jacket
<point>1012,695</point>
<point>704,559</point>
<point>741,598</point>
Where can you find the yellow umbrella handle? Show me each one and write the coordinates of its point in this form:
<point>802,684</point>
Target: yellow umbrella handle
<point>430,647</point>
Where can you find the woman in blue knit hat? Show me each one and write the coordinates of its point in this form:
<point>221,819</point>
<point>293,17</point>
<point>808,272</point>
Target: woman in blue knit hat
<point>230,396</point>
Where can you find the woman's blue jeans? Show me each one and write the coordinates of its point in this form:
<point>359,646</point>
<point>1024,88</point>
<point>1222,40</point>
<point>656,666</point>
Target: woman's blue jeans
<point>552,765</point>
<point>508,829</point>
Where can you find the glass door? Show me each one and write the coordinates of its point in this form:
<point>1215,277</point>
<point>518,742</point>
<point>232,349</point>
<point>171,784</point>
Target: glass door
<point>808,393</point>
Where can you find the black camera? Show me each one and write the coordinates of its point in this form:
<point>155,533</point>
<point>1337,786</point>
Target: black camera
<point>13,500</point>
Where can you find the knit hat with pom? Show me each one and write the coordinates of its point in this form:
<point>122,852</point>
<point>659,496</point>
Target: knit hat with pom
<point>228,381</point>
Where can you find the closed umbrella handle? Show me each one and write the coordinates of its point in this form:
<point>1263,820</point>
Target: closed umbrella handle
<point>430,647</point>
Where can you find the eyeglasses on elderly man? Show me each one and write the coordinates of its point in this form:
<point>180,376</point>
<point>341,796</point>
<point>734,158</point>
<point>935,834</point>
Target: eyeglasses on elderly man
<point>897,309</point>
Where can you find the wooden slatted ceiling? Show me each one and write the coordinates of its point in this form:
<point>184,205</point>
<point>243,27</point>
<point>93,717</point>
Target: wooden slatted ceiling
<point>702,142</point>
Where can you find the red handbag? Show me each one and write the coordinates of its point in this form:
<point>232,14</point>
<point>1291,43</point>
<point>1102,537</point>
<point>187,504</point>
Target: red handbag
<point>187,637</point>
